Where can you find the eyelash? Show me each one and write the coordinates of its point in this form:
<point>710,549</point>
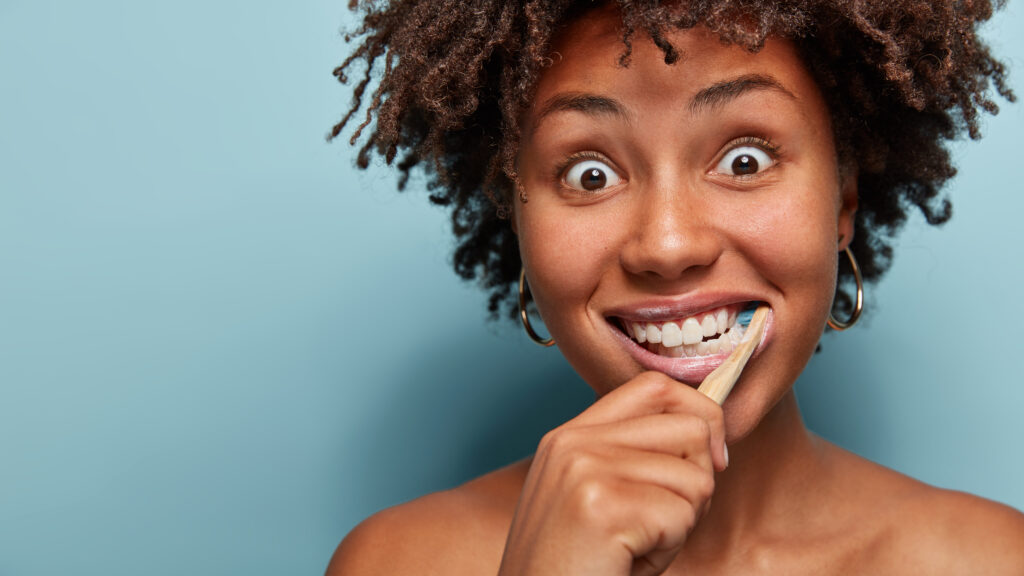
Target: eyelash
<point>763,142</point>
<point>560,169</point>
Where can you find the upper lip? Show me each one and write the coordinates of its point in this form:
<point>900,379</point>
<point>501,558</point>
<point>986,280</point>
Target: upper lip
<point>666,309</point>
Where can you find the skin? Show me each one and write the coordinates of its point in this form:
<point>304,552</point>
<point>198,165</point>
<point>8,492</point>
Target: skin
<point>627,486</point>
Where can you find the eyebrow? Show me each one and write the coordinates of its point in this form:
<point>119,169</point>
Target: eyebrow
<point>714,96</point>
<point>721,93</point>
<point>590,104</point>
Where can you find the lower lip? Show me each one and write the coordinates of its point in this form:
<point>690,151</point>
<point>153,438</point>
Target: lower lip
<point>691,371</point>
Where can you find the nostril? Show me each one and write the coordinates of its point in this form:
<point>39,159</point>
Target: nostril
<point>670,251</point>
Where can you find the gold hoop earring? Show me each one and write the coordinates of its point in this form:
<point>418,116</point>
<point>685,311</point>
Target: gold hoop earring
<point>858,307</point>
<point>522,313</point>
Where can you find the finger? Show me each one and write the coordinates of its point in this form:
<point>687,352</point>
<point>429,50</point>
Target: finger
<point>684,478</point>
<point>678,435</point>
<point>650,521</point>
<point>648,393</point>
<point>656,393</point>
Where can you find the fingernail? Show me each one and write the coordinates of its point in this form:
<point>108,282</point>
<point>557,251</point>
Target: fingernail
<point>725,450</point>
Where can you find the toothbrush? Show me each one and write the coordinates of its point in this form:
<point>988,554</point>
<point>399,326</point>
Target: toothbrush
<point>719,383</point>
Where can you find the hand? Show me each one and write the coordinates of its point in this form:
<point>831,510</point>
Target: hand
<point>617,490</point>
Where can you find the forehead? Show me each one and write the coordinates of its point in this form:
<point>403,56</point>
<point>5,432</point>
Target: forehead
<point>586,56</point>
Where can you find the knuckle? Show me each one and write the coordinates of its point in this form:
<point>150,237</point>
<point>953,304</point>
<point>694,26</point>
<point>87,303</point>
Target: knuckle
<point>705,487</point>
<point>569,453</point>
<point>657,386</point>
<point>639,536</point>
<point>547,440</point>
<point>682,425</point>
<point>716,417</point>
<point>580,466</point>
<point>589,498</point>
<point>701,429</point>
<point>688,516</point>
<point>556,441</point>
<point>717,421</point>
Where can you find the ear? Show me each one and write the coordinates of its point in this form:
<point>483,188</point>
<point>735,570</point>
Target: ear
<point>847,207</point>
<point>513,217</point>
<point>515,207</point>
<point>514,192</point>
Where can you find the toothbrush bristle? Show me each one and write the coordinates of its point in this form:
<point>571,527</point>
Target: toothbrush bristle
<point>744,317</point>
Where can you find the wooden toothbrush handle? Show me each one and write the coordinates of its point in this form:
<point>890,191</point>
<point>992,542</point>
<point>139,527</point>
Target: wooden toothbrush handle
<point>719,383</point>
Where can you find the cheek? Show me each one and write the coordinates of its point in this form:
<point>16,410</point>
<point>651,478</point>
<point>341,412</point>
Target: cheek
<point>563,254</point>
<point>795,240</point>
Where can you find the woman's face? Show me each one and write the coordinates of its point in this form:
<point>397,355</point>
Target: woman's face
<point>664,196</point>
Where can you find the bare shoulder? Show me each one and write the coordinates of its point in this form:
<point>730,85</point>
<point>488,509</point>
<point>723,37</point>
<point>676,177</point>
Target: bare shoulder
<point>958,533</point>
<point>457,531</point>
<point>907,526</point>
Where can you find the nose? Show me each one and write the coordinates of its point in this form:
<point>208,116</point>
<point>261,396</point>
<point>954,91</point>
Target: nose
<point>673,233</point>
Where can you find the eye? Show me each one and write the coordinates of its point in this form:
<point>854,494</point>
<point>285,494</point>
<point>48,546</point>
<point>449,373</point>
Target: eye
<point>590,175</point>
<point>744,161</point>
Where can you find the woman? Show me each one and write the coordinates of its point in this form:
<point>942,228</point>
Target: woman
<point>653,168</point>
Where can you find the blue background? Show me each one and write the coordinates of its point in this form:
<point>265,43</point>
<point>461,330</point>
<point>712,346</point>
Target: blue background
<point>221,346</point>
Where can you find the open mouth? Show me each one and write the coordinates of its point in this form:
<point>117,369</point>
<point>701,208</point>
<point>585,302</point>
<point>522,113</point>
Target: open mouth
<point>708,333</point>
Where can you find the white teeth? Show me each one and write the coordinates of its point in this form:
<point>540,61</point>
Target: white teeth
<point>709,325</point>
<point>722,320</point>
<point>725,345</point>
<point>671,340</point>
<point>692,332</point>
<point>671,335</point>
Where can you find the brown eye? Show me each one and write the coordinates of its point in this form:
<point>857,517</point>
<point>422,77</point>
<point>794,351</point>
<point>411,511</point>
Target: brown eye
<point>593,179</point>
<point>591,175</point>
<point>745,164</point>
<point>744,161</point>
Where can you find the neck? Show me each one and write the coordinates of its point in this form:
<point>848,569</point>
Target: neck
<point>767,485</point>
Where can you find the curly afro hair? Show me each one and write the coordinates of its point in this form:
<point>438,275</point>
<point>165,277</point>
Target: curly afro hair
<point>900,77</point>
